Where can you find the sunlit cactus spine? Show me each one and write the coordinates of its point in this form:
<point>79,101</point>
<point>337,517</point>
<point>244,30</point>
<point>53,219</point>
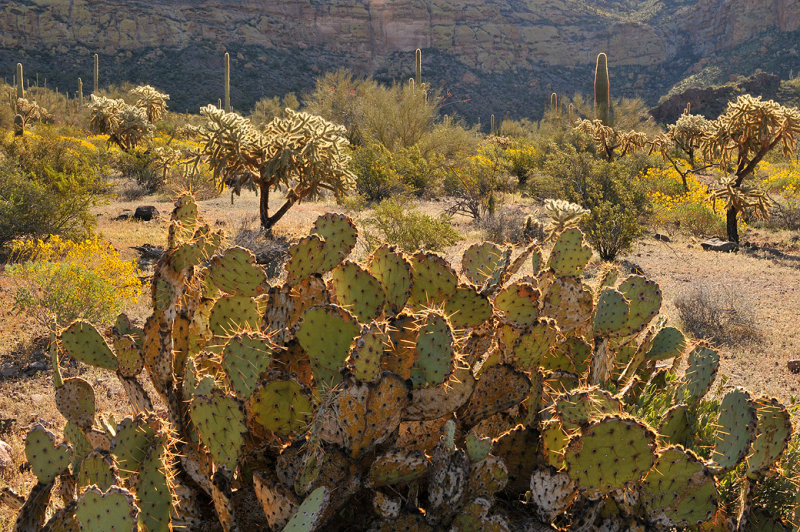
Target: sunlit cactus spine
<point>20,82</point>
<point>227,82</point>
<point>602,91</point>
<point>96,73</point>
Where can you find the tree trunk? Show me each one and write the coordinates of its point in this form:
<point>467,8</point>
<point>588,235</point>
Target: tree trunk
<point>733,229</point>
<point>263,207</point>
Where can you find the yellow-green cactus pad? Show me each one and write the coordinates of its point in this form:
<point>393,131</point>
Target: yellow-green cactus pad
<point>358,291</point>
<point>773,431</point>
<point>701,370</point>
<point>434,281</point>
<point>675,427</point>
<point>570,254</point>
<point>534,343</point>
<point>668,343</point>
<point>233,314</point>
<point>236,272</point>
<point>577,408</point>
<point>736,429</point>
<point>114,511</point>
<point>245,357</point>
<point>397,468</point>
<point>482,262</point>
<point>466,308</point>
<point>434,402</point>
<point>339,234</point>
<point>154,488</point>
<point>47,459</point>
<point>569,303</point>
<point>75,401</point>
<point>306,257</point>
<point>434,353</point>
<point>393,271</point>
<point>82,342</point>
<point>327,333</point>
<point>131,442</point>
<point>129,356</point>
<point>220,423</point>
<point>518,304</point>
<point>367,353</point>
<point>644,302</point>
<point>280,404</point>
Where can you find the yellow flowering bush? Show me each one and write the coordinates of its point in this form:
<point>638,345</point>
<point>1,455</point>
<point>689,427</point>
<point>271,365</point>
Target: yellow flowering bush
<point>64,280</point>
<point>781,179</point>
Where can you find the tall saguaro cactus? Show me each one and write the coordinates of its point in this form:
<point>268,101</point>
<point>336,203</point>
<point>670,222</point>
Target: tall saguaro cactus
<point>227,82</point>
<point>20,84</point>
<point>418,77</point>
<point>602,91</point>
<point>96,73</point>
<point>554,102</point>
<point>80,92</point>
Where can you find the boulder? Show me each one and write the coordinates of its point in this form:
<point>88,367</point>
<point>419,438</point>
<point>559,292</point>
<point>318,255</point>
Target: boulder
<point>793,366</point>
<point>6,459</point>
<point>717,244</point>
<point>145,213</point>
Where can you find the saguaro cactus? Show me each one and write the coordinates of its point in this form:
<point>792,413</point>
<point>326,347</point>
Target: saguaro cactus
<point>554,102</point>
<point>20,84</point>
<point>227,82</point>
<point>80,92</point>
<point>602,91</point>
<point>419,67</point>
<point>96,73</point>
<point>492,125</point>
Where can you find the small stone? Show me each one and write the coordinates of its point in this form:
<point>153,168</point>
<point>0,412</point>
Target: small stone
<point>145,213</point>
<point>124,215</point>
<point>793,365</point>
<point>716,244</point>
<point>662,238</point>
<point>6,459</point>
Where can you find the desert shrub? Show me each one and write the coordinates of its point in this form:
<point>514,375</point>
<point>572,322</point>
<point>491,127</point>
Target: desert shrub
<point>785,215</point>
<point>62,280</point>
<point>476,182</point>
<point>423,176</point>
<point>717,312</point>
<point>689,211</point>
<point>522,160</point>
<point>506,225</point>
<point>399,224</point>
<point>142,167</point>
<point>266,109</point>
<point>376,177</point>
<point>48,184</point>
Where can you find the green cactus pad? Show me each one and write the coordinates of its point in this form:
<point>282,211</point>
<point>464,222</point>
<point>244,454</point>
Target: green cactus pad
<point>609,454</point>
<point>701,370</point>
<point>358,291</point>
<point>163,294</point>
<point>306,257</point>
<point>339,234</point>
<point>401,351</point>
<point>194,252</point>
<point>309,513</point>
<point>518,448</point>
<point>233,314</point>
<point>434,402</point>
<point>114,510</point>
<point>644,299</point>
<point>482,262</point>
<point>220,423</point>
<point>82,342</point>
<point>487,476</point>
<point>474,517</point>
<point>47,459</point>
<point>129,357</point>
<point>98,468</point>
<point>611,313</point>
<point>244,358</point>
<point>386,506</point>
<point>236,272</point>
<point>675,427</point>
<point>362,416</point>
<point>75,401</point>
<point>535,343</point>
<point>467,308</point>
<point>434,281</point>
<point>393,271</point>
<point>773,431</point>
<point>679,491</point>
<point>327,333</point>
<point>570,254</point>
<point>577,408</point>
<point>366,354</point>
<point>154,488</point>
<point>518,304</point>
<point>280,404</point>
<point>130,444</point>
<point>668,343</point>
<point>736,430</point>
<point>572,355</point>
<point>569,303</point>
<point>311,292</point>
<point>552,492</point>
<point>79,442</point>
<point>499,388</point>
<point>278,501</point>
<point>435,357</point>
<point>478,448</point>
<point>397,468</point>
<point>185,212</point>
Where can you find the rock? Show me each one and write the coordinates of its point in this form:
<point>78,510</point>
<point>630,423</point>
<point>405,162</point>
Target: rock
<point>662,238</point>
<point>6,459</point>
<point>124,215</point>
<point>793,365</point>
<point>145,213</point>
<point>716,244</point>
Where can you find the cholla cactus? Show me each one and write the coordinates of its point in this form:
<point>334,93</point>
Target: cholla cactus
<point>563,215</point>
<point>301,152</point>
<point>30,111</point>
<point>751,201</point>
<point>686,135</point>
<point>125,125</point>
<point>152,101</point>
<point>612,143</point>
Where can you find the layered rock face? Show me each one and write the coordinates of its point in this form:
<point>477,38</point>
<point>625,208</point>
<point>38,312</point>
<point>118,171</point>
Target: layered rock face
<point>496,36</point>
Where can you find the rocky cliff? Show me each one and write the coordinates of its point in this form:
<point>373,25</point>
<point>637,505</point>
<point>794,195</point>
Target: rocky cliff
<point>493,56</point>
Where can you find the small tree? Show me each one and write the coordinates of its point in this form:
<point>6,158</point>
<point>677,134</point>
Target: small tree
<point>303,153</point>
<point>684,136</point>
<point>739,139</point>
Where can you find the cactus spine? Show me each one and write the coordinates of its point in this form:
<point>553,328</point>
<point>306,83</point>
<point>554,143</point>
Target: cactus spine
<point>227,82</point>
<point>419,67</point>
<point>602,91</point>
<point>96,73</point>
<point>20,84</point>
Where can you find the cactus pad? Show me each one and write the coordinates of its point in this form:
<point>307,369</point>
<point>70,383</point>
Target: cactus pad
<point>79,442</point>
<point>436,401</point>
<point>570,254</point>
<point>339,234</point>
<point>482,262</point>
<point>644,299</point>
<point>154,487</point>
<point>569,303</point>
<point>487,476</point>
<point>736,429</point>
<point>47,459</point>
<point>98,468</point>
<point>365,356</point>
<point>434,359</point>
<point>82,342</point>
<point>358,291</point>
<point>244,358</point>
<point>467,308</point>
<point>611,313</point>
<point>434,281</point>
<point>75,401</point>
<point>386,506</point>
<point>519,304</point>
<point>277,501</point>
<point>131,442</point>
<point>236,272</point>
<point>477,448</point>
<point>554,441</point>
<point>499,388</point>
<point>675,426</point>
<point>552,492</point>
<point>534,343</point>
<point>397,467</point>
<point>327,333</point>
<point>114,510</point>
<point>668,343</point>
<point>577,408</point>
<point>679,491</point>
<point>701,370</point>
<point>309,513</point>
<point>773,431</point>
<point>129,358</point>
<point>393,271</point>
<point>220,422</point>
<point>233,314</point>
<point>280,404</point>
<point>306,257</point>
<point>609,454</point>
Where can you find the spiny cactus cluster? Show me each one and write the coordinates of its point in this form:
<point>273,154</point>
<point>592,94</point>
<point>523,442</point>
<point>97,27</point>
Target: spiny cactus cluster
<point>392,394</point>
